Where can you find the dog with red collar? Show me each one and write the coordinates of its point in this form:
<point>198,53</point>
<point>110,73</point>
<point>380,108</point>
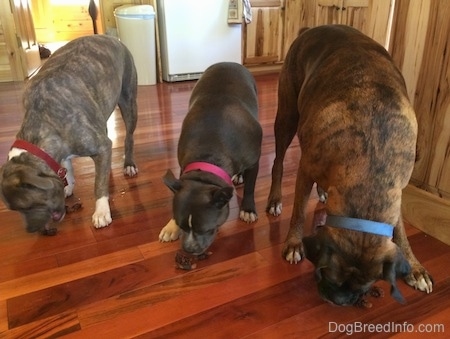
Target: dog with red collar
<point>220,143</point>
<point>67,104</point>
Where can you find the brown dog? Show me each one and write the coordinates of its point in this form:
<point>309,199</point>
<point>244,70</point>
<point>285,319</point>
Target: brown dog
<point>341,93</point>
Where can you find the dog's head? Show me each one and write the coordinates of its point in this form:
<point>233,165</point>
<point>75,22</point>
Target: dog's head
<point>199,209</point>
<point>28,186</point>
<point>347,268</point>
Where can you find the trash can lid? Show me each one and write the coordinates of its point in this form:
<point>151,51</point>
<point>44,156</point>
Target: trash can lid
<point>135,12</point>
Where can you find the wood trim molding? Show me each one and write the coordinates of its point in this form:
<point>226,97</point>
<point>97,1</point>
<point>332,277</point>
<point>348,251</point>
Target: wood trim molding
<point>427,212</point>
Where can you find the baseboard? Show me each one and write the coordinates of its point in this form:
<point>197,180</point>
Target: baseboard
<point>427,212</point>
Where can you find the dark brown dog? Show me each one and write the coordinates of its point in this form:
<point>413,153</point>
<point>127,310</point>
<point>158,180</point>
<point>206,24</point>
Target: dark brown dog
<point>220,143</point>
<point>341,93</point>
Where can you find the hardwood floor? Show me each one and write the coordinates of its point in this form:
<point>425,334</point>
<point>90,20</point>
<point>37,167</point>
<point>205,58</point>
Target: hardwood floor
<point>120,282</point>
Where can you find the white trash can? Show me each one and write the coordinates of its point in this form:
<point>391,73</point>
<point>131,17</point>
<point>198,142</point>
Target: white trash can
<point>136,28</point>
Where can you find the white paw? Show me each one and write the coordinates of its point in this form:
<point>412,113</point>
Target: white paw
<point>67,164</point>
<point>420,281</point>
<point>102,214</point>
<point>248,217</point>
<point>68,190</point>
<point>237,179</point>
<point>130,171</point>
<point>170,232</point>
<point>276,210</point>
<point>293,257</point>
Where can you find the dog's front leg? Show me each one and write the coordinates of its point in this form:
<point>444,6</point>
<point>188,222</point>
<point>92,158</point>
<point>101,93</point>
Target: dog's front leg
<point>248,209</point>
<point>419,277</point>
<point>102,161</point>
<point>67,164</point>
<point>293,247</point>
<point>170,232</point>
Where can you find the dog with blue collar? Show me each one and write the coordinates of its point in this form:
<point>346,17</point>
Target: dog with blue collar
<point>342,94</point>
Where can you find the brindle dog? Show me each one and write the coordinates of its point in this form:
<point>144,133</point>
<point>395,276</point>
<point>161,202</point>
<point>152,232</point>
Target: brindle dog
<point>341,93</point>
<point>67,104</point>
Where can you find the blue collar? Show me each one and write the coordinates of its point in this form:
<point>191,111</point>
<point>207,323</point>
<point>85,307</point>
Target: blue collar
<point>360,225</point>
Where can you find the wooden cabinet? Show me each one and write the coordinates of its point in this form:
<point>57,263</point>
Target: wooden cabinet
<point>263,37</point>
<point>372,17</point>
<point>276,23</point>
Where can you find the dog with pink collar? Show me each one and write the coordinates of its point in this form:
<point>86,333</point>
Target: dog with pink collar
<point>220,144</point>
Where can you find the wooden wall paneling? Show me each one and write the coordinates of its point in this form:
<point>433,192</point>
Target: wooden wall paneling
<point>71,22</point>
<point>437,56</point>
<point>407,50</point>
<point>6,71</point>
<point>424,64</point>
<point>43,20</point>
<point>379,21</point>
<point>419,46</point>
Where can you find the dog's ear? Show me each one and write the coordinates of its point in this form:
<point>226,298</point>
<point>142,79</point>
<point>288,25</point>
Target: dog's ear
<point>20,179</point>
<point>393,268</point>
<point>317,252</point>
<point>222,196</point>
<point>35,180</point>
<point>173,183</point>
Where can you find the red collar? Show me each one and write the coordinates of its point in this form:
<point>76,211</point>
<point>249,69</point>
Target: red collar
<point>207,167</point>
<point>52,163</point>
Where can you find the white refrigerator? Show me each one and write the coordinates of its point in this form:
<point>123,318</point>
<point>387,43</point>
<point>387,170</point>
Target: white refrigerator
<point>195,34</point>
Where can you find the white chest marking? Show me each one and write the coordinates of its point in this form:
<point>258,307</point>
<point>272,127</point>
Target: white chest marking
<point>14,152</point>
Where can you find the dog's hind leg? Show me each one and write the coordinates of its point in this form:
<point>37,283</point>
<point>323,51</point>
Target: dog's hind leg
<point>286,124</point>
<point>293,247</point>
<point>128,109</point>
<point>248,209</point>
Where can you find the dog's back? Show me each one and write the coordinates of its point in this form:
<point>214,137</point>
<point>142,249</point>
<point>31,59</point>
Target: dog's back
<point>353,108</point>
<point>75,75</point>
<point>222,117</point>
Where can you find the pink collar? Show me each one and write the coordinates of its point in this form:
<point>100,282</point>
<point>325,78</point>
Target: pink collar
<point>52,163</point>
<point>207,167</point>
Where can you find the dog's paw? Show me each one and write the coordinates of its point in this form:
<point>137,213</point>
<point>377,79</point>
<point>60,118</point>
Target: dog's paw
<point>420,280</point>
<point>170,232</point>
<point>248,217</point>
<point>237,179</point>
<point>68,190</point>
<point>274,209</point>
<point>102,214</point>
<point>293,253</point>
<point>130,171</point>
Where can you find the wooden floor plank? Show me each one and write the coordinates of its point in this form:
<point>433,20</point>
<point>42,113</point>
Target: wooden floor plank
<point>120,281</point>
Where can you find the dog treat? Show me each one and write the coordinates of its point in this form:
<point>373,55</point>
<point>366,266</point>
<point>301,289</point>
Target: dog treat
<point>374,291</point>
<point>187,261</point>
<point>73,208</point>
